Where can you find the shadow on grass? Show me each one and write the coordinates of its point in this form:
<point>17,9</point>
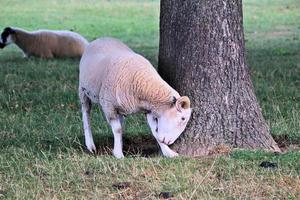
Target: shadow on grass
<point>285,143</point>
<point>141,145</point>
<point>135,146</point>
<point>17,57</point>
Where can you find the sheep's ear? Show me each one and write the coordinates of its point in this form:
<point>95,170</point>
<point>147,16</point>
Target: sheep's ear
<point>183,103</point>
<point>9,30</point>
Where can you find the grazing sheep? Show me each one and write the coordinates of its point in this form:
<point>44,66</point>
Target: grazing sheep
<point>45,43</point>
<point>122,83</point>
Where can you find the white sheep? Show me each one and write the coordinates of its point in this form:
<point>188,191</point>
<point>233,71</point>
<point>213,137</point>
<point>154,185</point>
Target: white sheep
<point>45,43</point>
<point>122,83</point>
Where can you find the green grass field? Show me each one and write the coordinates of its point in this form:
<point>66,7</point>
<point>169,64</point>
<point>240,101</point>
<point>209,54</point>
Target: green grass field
<point>42,155</point>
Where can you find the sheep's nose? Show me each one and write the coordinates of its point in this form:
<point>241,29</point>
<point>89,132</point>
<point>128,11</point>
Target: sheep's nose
<point>2,45</point>
<point>165,141</point>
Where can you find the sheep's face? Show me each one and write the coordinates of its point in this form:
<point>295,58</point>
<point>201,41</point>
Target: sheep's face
<point>172,121</point>
<point>6,37</point>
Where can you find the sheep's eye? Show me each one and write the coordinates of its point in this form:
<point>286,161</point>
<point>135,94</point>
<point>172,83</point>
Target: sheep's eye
<point>155,119</point>
<point>182,118</point>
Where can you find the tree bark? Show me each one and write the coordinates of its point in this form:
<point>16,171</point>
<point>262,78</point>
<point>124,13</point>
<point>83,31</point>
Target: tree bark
<point>202,55</point>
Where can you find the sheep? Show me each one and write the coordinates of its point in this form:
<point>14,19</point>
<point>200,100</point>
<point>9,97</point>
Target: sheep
<point>123,82</point>
<point>45,43</point>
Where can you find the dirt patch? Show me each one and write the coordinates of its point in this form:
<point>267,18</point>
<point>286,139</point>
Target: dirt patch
<point>122,185</point>
<point>165,195</point>
<point>278,32</point>
<point>143,145</point>
<point>146,146</point>
<point>285,144</point>
<point>285,9</point>
<point>220,150</point>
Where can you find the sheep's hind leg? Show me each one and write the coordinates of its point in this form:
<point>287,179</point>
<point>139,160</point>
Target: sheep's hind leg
<point>25,55</point>
<point>86,109</point>
<point>116,125</point>
<point>165,149</point>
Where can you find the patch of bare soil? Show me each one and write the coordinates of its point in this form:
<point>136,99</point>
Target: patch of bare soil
<point>285,144</point>
<point>278,32</point>
<point>143,145</point>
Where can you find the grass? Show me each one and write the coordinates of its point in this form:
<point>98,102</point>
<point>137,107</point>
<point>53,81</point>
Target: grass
<point>41,148</point>
<point>273,53</point>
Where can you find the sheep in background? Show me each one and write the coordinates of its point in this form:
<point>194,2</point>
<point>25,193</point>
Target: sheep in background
<point>45,43</point>
<point>122,83</point>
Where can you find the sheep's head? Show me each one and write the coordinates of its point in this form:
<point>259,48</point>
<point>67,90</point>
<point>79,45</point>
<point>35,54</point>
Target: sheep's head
<point>6,37</point>
<point>171,121</point>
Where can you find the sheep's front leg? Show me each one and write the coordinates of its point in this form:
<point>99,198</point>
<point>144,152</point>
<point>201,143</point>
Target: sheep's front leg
<point>86,109</point>
<point>116,125</point>
<point>166,151</point>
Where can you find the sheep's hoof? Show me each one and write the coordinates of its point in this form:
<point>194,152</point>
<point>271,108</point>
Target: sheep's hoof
<point>171,154</point>
<point>91,147</point>
<point>118,155</point>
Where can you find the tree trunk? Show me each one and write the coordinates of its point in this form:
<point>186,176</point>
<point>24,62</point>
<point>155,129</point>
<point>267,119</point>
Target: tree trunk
<point>202,55</point>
